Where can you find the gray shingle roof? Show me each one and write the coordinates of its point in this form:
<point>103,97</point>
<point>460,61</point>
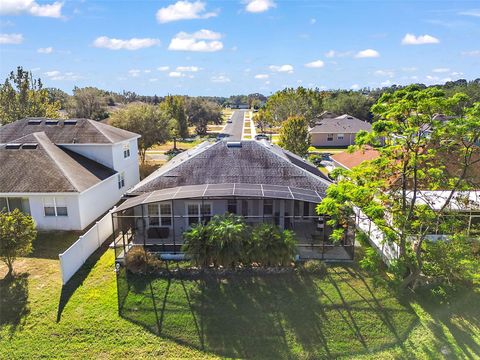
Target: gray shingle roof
<point>47,168</point>
<point>341,124</point>
<point>71,131</point>
<point>252,163</point>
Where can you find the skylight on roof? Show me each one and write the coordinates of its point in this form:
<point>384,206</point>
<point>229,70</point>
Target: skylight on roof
<point>70,122</point>
<point>51,122</point>
<point>13,146</point>
<point>30,146</point>
<point>34,121</point>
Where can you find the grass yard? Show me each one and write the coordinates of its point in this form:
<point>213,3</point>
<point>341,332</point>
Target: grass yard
<point>274,317</point>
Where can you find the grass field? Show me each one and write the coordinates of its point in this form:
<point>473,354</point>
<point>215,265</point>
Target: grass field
<point>276,317</point>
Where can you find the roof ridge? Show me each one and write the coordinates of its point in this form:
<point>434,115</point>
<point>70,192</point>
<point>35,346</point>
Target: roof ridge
<point>94,123</point>
<point>48,146</point>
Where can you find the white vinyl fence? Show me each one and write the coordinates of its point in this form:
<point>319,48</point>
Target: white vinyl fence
<point>389,251</point>
<point>75,256</point>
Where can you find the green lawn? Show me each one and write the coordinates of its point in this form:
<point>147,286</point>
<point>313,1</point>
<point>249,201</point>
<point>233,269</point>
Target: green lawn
<point>275,317</point>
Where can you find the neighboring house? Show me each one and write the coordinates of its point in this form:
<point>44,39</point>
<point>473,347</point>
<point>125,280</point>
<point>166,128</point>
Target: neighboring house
<point>348,160</point>
<point>259,181</point>
<point>337,131</point>
<point>65,173</point>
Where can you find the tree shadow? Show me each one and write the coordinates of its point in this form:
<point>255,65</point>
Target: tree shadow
<point>77,280</point>
<point>14,301</point>
<point>460,318</point>
<point>282,316</point>
<point>48,244</point>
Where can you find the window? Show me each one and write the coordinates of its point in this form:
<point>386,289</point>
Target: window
<point>126,150</point>
<point>12,203</point>
<point>55,206</point>
<point>268,207</point>
<point>296,208</point>
<point>160,214</point>
<point>306,209</point>
<point>244,207</point>
<point>340,136</point>
<point>232,206</point>
<point>121,180</point>
<point>329,137</point>
<point>197,211</point>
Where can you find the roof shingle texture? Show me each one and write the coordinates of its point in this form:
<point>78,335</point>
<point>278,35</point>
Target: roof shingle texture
<point>84,131</point>
<point>341,124</point>
<point>48,168</point>
<point>252,163</point>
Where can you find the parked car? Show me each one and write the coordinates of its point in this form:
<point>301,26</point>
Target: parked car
<point>229,121</point>
<point>261,137</point>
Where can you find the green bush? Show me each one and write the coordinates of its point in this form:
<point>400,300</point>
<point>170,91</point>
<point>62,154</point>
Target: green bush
<point>141,261</point>
<point>314,267</point>
<point>371,261</point>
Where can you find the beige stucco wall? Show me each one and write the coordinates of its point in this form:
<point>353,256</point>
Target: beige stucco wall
<point>320,140</point>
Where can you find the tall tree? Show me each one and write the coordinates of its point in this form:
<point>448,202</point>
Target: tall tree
<point>353,103</point>
<point>89,103</point>
<point>175,107</point>
<point>294,135</point>
<point>421,154</point>
<point>150,121</point>
<point>17,232</point>
<point>22,96</point>
<point>201,112</point>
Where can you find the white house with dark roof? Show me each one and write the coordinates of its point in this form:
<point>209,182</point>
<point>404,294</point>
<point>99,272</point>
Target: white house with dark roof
<point>65,173</point>
<point>338,131</point>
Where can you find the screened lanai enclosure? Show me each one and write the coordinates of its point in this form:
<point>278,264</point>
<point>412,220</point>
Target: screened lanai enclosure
<point>158,219</point>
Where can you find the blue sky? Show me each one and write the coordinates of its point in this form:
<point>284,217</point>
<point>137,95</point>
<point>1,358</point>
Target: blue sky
<point>239,46</point>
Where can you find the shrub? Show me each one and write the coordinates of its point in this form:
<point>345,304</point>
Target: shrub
<point>314,267</point>
<point>371,261</point>
<point>141,261</point>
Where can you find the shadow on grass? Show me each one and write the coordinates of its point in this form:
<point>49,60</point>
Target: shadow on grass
<point>460,320</point>
<point>48,244</point>
<point>269,317</point>
<point>13,300</point>
<point>77,280</point>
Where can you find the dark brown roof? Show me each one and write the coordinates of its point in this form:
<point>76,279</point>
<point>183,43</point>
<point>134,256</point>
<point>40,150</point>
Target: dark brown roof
<point>341,124</point>
<point>71,131</point>
<point>47,168</point>
<point>219,163</point>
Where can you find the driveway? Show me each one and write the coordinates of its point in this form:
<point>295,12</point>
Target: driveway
<point>235,128</point>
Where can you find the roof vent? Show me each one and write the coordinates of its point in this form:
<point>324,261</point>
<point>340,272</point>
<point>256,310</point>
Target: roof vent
<point>13,146</point>
<point>29,146</point>
<point>34,122</point>
<point>70,122</point>
<point>234,144</point>
<point>51,122</point>
<point>350,117</point>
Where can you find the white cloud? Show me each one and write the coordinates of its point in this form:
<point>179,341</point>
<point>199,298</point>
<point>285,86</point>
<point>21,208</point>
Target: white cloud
<point>367,53</point>
<point>315,64</point>
<point>201,41</point>
<point>163,68</point>
<point>409,69</point>
<point>384,73</point>
<point>410,39</point>
<point>333,53</point>
<point>261,76</point>
<point>13,39</point>
<point>184,10</point>
<point>176,74</point>
<point>187,68</point>
<point>441,70</point>
<point>47,50</point>
<point>134,72</point>
<point>456,73</point>
<point>355,87</point>
<point>57,75</point>
<point>313,21</point>
<point>147,71</point>
<point>386,83</point>
<point>472,12</point>
<point>120,44</point>
<point>153,80</point>
<point>282,68</point>
<point>258,6</point>
<point>220,79</point>
<point>31,7</point>
<point>472,53</point>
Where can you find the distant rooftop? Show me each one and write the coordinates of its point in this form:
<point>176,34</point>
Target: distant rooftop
<point>71,131</point>
<point>340,124</point>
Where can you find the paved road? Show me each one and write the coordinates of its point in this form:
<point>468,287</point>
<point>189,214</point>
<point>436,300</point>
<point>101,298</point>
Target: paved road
<point>236,127</point>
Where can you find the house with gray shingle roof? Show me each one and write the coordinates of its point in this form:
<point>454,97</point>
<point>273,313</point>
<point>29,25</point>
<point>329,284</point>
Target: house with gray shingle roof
<point>65,173</point>
<point>337,131</point>
<point>255,179</point>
